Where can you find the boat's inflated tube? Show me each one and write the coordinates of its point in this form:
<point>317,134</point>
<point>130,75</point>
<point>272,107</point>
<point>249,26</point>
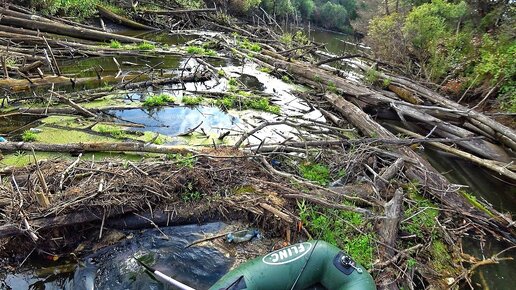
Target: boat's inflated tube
<point>303,265</point>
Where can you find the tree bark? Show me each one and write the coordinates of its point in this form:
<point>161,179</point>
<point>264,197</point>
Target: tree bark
<point>122,20</point>
<point>94,147</point>
<point>64,29</point>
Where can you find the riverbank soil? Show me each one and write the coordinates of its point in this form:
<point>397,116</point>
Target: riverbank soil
<point>153,115</point>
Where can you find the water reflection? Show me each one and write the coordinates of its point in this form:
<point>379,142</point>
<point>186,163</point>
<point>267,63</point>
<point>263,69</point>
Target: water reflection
<point>177,120</point>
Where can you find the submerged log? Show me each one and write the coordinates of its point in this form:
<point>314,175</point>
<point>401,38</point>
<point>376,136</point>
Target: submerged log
<point>64,29</point>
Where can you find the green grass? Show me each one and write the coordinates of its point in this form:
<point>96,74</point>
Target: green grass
<point>197,50</point>
<point>192,101</point>
<point>265,70</point>
<point>252,46</point>
<point>145,46</point>
<point>420,217</point>
<point>29,136</point>
<point>286,79</point>
<point>245,100</point>
<point>158,100</point>
<point>338,228</point>
<point>331,87</point>
<point>115,44</point>
<point>114,131</point>
<point>187,160</point>
<point>191,194</point>
<point>319,173</point>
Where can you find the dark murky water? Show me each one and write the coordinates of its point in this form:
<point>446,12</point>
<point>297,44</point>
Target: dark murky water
<point>115,267</point>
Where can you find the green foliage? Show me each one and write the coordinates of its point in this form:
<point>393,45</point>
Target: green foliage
<point>420,217</point>
<point>286,79</point>
<point>331,87</point>
<point>145,46</point>
<point>300,37</point>
<point>252,46</point>
<point>190,194</point>
<point>232,82</point>
<point>192,101</point>
<point>316,172</point>
<point>306,8</point>
<point>29,136</point>
<point>187,160</point>
<point>115,44</point>
<point>158,100</point>
<point>221,73</point>
<point>244,100</point>
<point>190,3</point>
<point>197,50</point>
<point>114,131</point>
<point>441,258</point>
<point>335,16</point>
<point>497,63</point>
<point>338,228</point>
<point>371,77</point>
<point>244,6</point>
<point>265,70</point>
<point>76,8</point>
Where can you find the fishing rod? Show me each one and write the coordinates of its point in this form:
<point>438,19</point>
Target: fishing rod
<point>163,276</point>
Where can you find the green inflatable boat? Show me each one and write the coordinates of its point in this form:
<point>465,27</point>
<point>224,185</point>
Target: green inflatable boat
<point>299,266</point>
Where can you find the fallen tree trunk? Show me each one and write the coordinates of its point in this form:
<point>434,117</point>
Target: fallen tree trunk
<point>421,170</point>
<point>489,164</point>
<point>178,11</point>
<point>94,147</point>
<point>504,134</point>
<point>388,232</point>
<point>65,29</point>
<point>122,20</point>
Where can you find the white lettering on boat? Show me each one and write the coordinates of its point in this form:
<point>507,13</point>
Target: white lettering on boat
<point>287,254</point>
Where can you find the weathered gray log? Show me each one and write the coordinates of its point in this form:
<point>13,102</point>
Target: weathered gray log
<point>64,29</point>
<point>94,147</point>
<point>122,20</point>
<point>505,134</point>
<point>388,233</point>
<point>178,11</point>
<point>489,164</point>
<point>420,169</point>
<point>13,13</point>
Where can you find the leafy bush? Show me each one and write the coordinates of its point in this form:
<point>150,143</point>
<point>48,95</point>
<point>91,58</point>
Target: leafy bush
<point>335,16</point>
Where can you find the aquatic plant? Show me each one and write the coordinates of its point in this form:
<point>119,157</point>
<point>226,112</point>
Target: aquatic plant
<point>29,136</point>
<point>158,100</point>
<point>192,100</point>
<point>115,44</point>
<point>197,50</point>
<point>145,46</point>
